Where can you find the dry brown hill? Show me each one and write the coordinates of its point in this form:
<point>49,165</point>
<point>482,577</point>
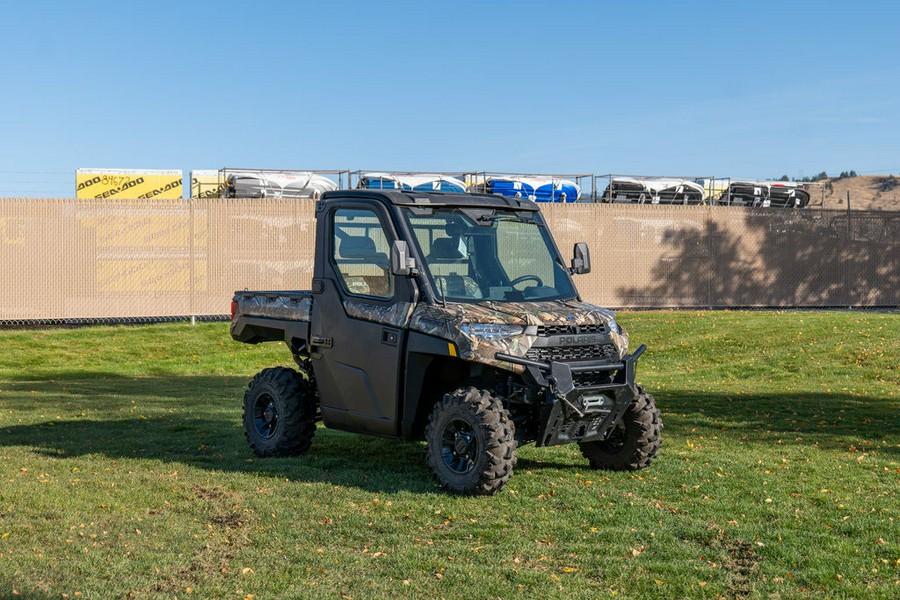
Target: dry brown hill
<point>869,192</point>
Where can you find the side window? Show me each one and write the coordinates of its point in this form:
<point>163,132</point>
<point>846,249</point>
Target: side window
<point>361,253</point>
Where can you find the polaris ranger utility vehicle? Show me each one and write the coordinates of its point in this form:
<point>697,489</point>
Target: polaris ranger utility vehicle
<point>448,317</point>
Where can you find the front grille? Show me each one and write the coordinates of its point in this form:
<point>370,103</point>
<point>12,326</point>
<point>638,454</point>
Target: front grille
<point>567,353</point>
<point>591,378</point>
<point>547,330</point>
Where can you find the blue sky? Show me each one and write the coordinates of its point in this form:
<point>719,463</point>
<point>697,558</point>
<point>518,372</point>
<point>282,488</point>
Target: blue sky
<point>742,89</point>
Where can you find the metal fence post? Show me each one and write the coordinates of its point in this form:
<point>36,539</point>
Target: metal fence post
<point>191,268</point>
<point>846,250</point>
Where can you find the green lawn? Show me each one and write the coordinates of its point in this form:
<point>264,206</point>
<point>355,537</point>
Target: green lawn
<point>124,473</point>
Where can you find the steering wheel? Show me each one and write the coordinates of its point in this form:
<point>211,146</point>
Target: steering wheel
<point>519,280</point>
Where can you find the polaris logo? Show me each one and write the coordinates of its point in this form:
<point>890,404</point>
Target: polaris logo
<point>589,339</point>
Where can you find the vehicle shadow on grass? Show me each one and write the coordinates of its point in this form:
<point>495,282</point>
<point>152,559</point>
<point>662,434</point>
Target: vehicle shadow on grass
<point>195,421</point>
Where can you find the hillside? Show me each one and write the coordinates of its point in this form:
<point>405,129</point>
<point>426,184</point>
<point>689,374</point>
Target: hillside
<point>869,192</point>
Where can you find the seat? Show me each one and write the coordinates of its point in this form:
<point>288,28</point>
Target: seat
<point>363,268</point>
<point>362,248</point>
<point>442,259</point>
<point>444,249</point>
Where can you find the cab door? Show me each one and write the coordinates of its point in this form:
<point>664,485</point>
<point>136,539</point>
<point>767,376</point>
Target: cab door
<point>359,319</point>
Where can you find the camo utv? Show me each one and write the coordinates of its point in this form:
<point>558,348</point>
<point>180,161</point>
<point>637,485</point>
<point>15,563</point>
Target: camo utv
<point>450,318</point>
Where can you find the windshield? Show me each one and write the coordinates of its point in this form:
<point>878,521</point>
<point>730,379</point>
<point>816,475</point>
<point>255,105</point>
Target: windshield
<point>476,254</point>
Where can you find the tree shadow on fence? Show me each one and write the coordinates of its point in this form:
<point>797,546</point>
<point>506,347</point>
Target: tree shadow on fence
<point>778,258</point>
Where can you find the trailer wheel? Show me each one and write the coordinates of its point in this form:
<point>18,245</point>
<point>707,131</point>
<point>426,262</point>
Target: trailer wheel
<point>470,443</point>
<point>279,413</point>
<point>635,441</point>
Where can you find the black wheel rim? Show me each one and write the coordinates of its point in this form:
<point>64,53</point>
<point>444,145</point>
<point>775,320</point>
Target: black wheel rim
<point>459,446</point>
<point>616,439</point>
<point>265,415</point>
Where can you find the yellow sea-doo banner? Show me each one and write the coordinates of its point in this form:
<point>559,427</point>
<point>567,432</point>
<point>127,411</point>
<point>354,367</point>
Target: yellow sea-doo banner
<point>128,183</point>
<point>207,184</point>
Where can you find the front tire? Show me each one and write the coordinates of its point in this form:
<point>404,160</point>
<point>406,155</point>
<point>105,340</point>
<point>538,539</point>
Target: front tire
<point>279,413</point>
<point>634,442</point>
<point>470,443</point>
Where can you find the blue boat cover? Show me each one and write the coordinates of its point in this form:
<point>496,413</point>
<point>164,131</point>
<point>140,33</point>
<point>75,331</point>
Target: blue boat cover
<point>537,189</point>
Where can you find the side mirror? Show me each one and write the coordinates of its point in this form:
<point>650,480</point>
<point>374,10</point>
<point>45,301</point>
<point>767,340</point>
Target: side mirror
<point>581,263</point>
<point>401,263</point>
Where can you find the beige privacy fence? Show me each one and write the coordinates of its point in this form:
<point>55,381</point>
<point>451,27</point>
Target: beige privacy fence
<point>98,259</point>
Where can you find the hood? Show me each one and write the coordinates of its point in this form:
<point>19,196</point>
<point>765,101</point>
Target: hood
<point>565,312</point>
<point>447,323</point>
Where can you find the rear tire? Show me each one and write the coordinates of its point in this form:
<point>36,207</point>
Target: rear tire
<point>279,413</point>
<point>470,443</point>
<point>634,442</point>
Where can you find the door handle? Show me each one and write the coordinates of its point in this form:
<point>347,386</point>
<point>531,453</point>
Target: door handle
<point>390,337</point>
<point>323,342</point>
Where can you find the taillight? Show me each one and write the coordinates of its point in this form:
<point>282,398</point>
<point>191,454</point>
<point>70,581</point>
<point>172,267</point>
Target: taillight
<point>234,306</point>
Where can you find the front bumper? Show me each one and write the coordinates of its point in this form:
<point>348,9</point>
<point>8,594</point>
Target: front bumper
<point>585,400</point>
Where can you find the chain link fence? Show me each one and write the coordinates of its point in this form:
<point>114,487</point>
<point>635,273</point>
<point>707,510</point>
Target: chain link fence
<point>83,261</point>
<point>726,257</point>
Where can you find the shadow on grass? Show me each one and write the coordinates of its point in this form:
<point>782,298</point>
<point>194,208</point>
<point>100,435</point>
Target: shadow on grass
<point>207,443</point>
<point>64,376</point>
<point>196,421</point>
<point>830,420</point>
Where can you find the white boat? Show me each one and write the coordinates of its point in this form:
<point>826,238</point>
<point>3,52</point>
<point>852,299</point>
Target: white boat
<point>263,184</point>
<point>419,182</point>
<point>765,194</point>
<point>654,190</point>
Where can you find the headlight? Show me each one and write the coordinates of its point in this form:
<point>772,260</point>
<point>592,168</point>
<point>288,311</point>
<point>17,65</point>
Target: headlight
<point>491,333</point>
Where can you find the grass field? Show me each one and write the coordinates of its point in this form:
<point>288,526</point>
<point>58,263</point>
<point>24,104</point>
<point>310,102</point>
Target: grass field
<point>124,473</point>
